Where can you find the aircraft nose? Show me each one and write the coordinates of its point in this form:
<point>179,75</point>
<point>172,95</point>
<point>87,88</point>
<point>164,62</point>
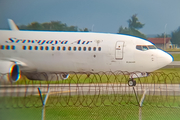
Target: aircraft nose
<point>164,58</point>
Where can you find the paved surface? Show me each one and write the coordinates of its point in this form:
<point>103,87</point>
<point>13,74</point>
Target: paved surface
<point>174,52</point>
<point>89,89</point>
<point>174,64</point>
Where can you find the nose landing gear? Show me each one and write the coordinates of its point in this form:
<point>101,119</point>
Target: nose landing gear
<point>131,82</point>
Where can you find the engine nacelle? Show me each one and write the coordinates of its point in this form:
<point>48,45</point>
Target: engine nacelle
<point>9,72</point>
<point>46,76</point>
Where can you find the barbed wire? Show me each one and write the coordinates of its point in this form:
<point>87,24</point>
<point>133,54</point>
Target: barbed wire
<point>90,89</point>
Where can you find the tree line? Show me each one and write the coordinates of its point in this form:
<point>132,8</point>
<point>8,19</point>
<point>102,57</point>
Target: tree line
<point>133,28</point>
<point>51,26</point>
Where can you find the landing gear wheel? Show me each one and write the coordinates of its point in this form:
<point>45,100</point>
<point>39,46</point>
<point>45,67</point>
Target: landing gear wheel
<point>131,82</point>
<point>134,83</point>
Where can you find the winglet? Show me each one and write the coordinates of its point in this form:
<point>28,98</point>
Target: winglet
<point>12,25</point>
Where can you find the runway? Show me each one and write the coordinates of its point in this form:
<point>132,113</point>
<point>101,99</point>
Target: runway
<point>89,89</point>
<point>174,52</point>
<point>174,64</point>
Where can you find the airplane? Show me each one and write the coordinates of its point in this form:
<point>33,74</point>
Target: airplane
<point>51,52</point>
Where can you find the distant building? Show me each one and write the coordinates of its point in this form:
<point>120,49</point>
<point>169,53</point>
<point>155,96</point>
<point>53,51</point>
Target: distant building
<point>160,42</point>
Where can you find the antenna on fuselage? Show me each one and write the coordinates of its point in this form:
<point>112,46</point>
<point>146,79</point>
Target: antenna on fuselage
<point>12,25</point>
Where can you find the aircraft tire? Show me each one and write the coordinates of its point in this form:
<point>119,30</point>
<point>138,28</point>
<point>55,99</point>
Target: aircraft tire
<point>134,83</point>
<point>131,82</point>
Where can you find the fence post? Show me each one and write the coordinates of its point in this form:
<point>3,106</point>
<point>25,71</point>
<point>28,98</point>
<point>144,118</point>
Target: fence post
<point>136,97</point>
<point>141,103</point>
<point>43,102</point>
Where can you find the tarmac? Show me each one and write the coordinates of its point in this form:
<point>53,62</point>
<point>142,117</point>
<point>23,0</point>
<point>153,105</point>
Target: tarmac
<point>89,89</point>
<point>174,64</point>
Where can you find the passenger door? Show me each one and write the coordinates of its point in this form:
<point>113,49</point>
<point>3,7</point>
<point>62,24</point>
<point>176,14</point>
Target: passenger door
<point>119,50</point>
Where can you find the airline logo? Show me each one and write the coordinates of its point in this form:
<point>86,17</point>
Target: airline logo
<point>43,42</point>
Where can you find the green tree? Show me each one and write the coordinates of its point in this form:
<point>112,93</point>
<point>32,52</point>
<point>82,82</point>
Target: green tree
<point>122,30</point>
<point>72,28</point>
<point>23,27</point>
<point>34,26</point>
<point>84,30</point>
<point>162,35</point>
<point>58,26</point>
<point>46,26</point>
<point>52,26</point>
<point>134,22</point>
<point>125,30</point>
<point>176,36</point>
<point>133,29</point>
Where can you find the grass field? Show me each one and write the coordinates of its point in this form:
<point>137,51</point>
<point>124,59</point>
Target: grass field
<point>169,71</point>
<point>155,77</point>
<point>126,111</point>
<point>173,50</point>
<point>129,112</point>
<point>176,57</point>
<point>30,107</point>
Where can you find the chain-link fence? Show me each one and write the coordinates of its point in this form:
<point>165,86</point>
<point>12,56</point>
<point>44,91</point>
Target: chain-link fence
<point>104,95</point>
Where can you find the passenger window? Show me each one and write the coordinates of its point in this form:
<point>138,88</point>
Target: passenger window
<point>46,48</point>
<point>13,47</point>
<point>99,48</point>
<point>64,48</point>
<point>52,48</point>
<point>94,48</point>
<point>79,48</point>
<point>144,48</point>
<point>41,48</point>
<point>74,48</point>
<point>36,47</point>
<point>138,47</point>
<point>69,48</point>
<point>7,47</point>
<point>30,47</point>
<point>89,48</point>
<point>84,48</point>
<point>58,48</point>
<point>2,47</point>
<point>24,47</point>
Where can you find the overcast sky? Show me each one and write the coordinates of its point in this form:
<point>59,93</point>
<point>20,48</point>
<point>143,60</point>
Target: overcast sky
<point>97,15</point>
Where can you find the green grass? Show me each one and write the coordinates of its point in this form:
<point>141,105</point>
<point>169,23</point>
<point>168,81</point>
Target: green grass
<point>164,76</point>
<point>169,70</point>
<point>108,111</point>
<point>91,107</point>
<point>169,75</point>
<point>176,57</point>
<point>99,113</point>
<point>173,50</point>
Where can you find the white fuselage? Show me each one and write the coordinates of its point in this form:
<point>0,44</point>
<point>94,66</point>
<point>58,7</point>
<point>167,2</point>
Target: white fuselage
<point>79,52</point>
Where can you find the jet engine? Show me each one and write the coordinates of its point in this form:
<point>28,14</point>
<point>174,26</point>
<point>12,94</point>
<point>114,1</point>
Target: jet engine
<point>46,76</point>
<point>9,72</point>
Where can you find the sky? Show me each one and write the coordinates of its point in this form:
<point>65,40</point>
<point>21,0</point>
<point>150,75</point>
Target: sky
<point>159,16</point>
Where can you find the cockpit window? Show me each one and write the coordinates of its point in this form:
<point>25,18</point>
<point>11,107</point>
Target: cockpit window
<point>151,47</point>
<point>144,47</point>
<point>138,47</point>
